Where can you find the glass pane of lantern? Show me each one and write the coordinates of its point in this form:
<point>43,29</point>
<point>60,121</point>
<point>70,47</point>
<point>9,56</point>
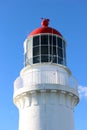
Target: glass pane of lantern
<point>36,41</point>
<point>44,40</point>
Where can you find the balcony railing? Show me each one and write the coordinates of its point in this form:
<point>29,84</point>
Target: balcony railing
<point>45,77</point>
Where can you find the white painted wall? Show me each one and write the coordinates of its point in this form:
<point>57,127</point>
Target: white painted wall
<point>46,110</point>
<point>45,98</point>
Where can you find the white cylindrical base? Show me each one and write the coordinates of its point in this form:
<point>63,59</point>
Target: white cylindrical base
<point>46,110</point>
<point>45,96</point>
<point>46,118</point>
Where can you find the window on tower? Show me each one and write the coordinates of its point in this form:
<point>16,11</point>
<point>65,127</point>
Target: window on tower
<point>36,51</point>
<point>46,48</point>
<point>54,40</point>
<point>59,42</point>
<point>36,59</point>
<point>44,39</point>
<point>36,41</point>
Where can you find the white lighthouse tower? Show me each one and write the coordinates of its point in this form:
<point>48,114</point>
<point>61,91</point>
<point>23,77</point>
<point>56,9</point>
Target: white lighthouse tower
<point>45,92</point>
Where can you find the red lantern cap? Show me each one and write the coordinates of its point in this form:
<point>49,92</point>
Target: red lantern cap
<point>45,29</point>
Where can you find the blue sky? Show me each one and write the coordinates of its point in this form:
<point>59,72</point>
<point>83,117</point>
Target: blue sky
<point>17,19</point>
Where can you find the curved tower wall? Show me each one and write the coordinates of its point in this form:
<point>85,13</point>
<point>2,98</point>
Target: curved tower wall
<point>45,96</point>
<point>45,93</point>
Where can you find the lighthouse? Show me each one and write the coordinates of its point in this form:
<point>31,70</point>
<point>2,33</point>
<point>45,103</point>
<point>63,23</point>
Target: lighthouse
<point>45,92</point>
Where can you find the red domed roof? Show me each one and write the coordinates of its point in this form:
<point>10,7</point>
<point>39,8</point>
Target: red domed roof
<point>45,29</point>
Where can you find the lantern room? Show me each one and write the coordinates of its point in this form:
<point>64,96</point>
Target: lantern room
<point>45,45</point>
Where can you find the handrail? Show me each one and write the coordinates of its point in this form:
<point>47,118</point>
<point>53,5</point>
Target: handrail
<point>45,76</point>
